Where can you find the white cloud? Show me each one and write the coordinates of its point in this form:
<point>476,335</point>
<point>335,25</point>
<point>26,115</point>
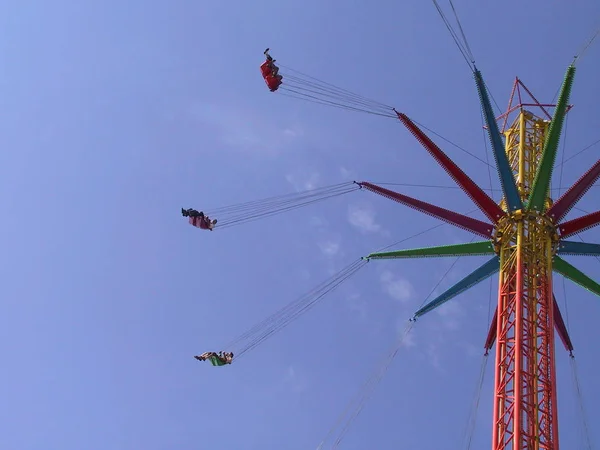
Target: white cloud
<point>345,173</point>
<point>357,304</point>
<point>294,380</point>
<point>243,130</point>
<point>303,181</point>
<point>330,248</point>
<point>396,287</point>
<point>434,356</point>
<point>363,218</point>
<point>472,350</point>
<point>451,313</point>
<point>304,274</point>
<point>431,342</point>
<point>317,222</point>
<point>293,132</point>
<point>409,340</point>
<point>291,373</point>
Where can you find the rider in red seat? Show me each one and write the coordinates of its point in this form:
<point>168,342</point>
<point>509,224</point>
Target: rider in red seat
<point>270,72</point>
<point>205,223</point>
<point>199,219</point>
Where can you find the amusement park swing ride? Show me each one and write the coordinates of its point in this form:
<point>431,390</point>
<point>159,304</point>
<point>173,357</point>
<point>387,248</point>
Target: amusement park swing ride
<point>525,236</point>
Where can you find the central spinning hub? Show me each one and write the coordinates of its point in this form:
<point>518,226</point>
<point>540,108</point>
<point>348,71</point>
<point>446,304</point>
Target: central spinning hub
<point>527,224</point>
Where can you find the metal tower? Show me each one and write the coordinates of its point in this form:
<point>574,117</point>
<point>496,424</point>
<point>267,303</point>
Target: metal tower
<point>526,238</point>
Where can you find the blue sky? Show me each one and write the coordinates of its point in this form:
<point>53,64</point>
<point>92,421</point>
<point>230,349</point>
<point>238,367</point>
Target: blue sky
<point>117,114</point>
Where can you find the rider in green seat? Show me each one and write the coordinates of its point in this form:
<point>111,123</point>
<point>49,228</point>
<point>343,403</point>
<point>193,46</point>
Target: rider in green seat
<point>217,359</point>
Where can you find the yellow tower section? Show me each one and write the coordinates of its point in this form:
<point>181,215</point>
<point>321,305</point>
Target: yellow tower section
<point>524,146</point>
